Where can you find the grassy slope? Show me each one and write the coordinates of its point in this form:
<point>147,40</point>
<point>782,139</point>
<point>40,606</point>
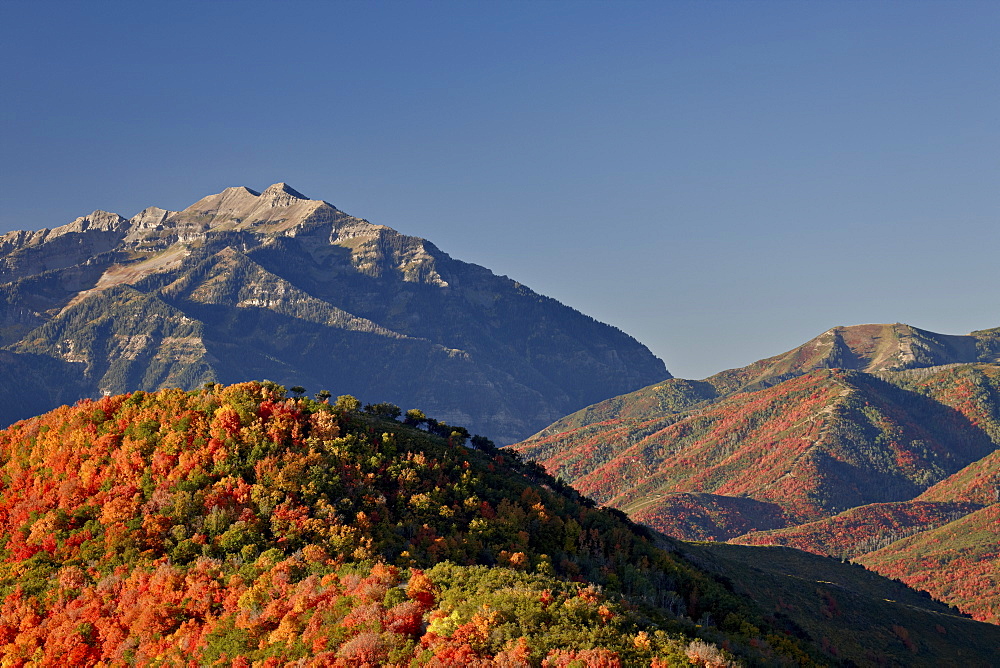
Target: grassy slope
<point>958,563</point>
<point>860,530</point>
<point>828,600</point>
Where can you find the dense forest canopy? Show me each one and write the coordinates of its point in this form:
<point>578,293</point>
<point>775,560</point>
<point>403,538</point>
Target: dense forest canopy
<point>239,525</point>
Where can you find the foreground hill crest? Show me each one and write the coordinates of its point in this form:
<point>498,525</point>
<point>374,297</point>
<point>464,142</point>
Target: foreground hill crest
<point>240,526</point>
<point>272,284</point>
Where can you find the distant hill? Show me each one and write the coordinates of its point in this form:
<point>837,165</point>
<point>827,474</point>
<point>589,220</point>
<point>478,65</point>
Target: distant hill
<point>869,348</point>
<point>239,526</point>
<point>274,285</point>
<point>945,541</point>
<point>815,445</point>
<point>958,562</point>
<point>867,528</point>
<point>837,447</point>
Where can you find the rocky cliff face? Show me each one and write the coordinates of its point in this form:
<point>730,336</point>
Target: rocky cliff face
<point>274,285</point>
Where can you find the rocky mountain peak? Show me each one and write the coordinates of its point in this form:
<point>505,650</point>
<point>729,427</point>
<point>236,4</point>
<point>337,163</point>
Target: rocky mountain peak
<point>199,294</point>
<point>278,207</point>
<point>150,217</point>
<point>281,192</point>
<point>870,348</point>
<point>103,221</point>
<point>886,347</point>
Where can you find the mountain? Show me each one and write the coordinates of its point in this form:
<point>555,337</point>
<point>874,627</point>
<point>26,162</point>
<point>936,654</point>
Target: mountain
<point>239,526</point>
<point>850,533</point>
<point>956,562</point>
<point>945,541</point>
<point>813,446</point>
<point>871,349</point>
<point>860,438</point>
<point>244,284</point>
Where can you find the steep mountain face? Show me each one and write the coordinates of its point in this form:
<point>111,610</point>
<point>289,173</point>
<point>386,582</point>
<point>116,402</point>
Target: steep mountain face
<point>245,284</point>
<point>860,438</point>
<point>238,526</point>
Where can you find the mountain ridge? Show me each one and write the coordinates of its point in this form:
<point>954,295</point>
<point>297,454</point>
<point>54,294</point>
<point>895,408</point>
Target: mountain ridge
<point>794,450</point>
<point>274,274</point>
<point>871,348</point>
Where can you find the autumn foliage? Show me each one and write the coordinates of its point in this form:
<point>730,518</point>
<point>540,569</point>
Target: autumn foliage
<point>832,461</point>
<point>235,526</point>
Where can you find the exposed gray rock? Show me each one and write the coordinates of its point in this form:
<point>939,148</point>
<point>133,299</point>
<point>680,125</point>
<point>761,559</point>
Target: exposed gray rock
<point>274,285</point>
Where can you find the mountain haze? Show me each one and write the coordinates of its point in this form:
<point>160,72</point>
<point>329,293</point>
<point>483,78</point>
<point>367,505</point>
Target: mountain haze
<point>244,284</point>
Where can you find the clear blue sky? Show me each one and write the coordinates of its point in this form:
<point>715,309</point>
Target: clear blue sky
<point>722,180</point>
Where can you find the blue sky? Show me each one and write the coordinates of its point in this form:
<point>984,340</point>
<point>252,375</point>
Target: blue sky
<point>722,180</point>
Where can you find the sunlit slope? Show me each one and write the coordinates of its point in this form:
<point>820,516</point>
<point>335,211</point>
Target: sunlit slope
<point>235,525</point>
<point>833,461</point>
<point>814,445</point>
<point>272,284</point>
<point>868,348</point>
<point>944,541</point>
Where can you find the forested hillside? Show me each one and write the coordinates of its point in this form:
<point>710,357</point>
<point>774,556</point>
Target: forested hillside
<point>240,526</point>
<point>813,445</point>
<point>958,562</point>
<point>860,438</point>
<point>234,525</point>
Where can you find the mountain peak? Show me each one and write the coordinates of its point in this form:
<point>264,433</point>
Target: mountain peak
<point>99,220</point>
<point>283,189</point>
<point>280,194</point>
<point>150,217</point>
<point>366,291</point>
<point>870,348</point>
<point>237,191</point>
<point>241,206</point>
